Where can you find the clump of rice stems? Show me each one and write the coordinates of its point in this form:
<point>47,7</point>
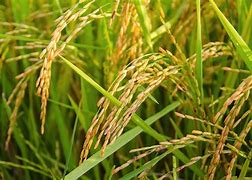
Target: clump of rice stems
<point>191,162</point>
<point>186,23</point>
<point>134,159</point>
<point>222,139</point>
<point>33,57</point>
<point>243,88</point>
<point>239,97</point>
<point>178,169</point>
<point>148,72</point>
<point>49,54</point>
<point>177,144</point>
<point>217,126</point>
<point>210,50</point>
<point>55,47</point>
<point>239,140</point>
<point>136,38</point>
<point>196,136</point>
<point>128,45</point>
<point>238,145</point>
<point>20,30</point>
<point>17,95</point>
<point>121,43</point>
<point>187,20</point>
<point>127,16</point>
<point>189,83</point>
<point>187,73</point>
<point>19,91</point>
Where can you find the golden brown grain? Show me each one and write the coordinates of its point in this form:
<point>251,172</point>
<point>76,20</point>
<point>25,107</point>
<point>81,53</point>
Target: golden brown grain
<point>13,117</point>
<point>54,49</point>
<point>238,145</point>
<point>239,97</point>
<point>147,72</point>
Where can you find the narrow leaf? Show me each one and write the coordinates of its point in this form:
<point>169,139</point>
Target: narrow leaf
<point>147,165</point>
<point>120,142</point>
<point>242,48</point>
<point>135,118</point>
<point>199,64</point>
<point>144,21</point>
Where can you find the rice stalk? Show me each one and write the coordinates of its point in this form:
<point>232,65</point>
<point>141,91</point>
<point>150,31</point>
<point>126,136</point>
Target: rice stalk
<point>239,97</point>
<point>238,145</point>
<point>109,126</point>
<point>20,91</point>
<point>54,48</point>
<point>179,143</point>
<point>198,132</point>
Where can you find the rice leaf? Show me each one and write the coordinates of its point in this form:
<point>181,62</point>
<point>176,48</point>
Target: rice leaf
<point>144,21</point>
<point>120,142</point>
<point>199,64</point>
<point>147,165</point>
<point>242,48</point>
<point>135,118</point>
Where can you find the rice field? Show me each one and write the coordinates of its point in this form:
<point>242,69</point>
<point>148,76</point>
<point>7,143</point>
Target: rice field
<point>134,89</point>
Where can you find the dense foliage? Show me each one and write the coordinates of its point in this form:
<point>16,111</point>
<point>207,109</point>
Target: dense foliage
<point>83,83</point>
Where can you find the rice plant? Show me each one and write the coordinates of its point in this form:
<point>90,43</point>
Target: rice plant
<point>134,89</point>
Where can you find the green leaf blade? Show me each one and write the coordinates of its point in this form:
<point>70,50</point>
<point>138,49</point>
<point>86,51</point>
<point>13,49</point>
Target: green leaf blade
<point>242,48</point>
<point>120,142</point>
